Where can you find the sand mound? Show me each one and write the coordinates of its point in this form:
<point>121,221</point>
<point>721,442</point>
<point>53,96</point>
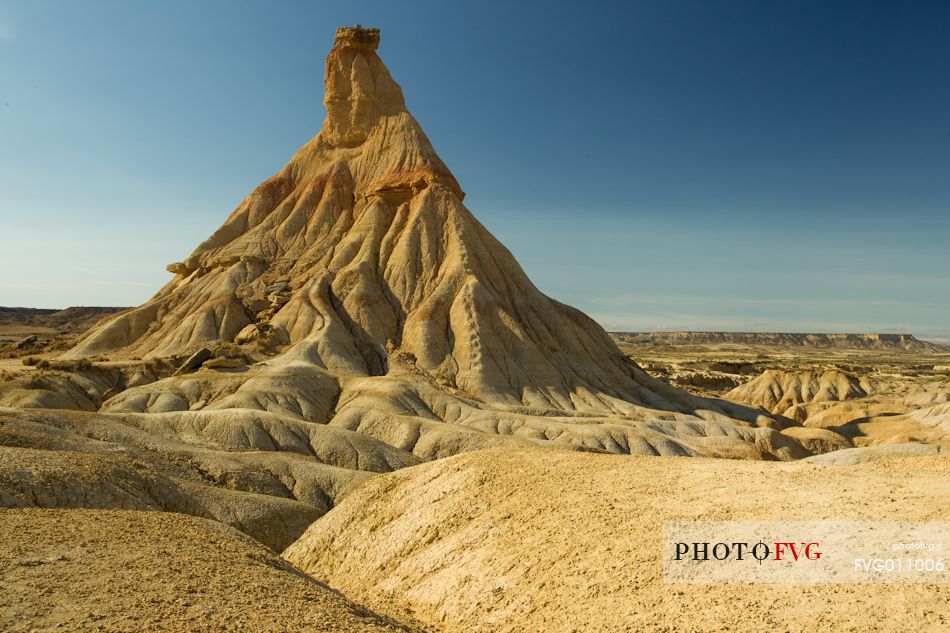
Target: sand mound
<point>824,397</point>
<point>779,391</point>
<point>818,440</point>
<point>56,459</point>
<point>929,425</point>
<point>96,570</point>
<point>865,454</point>
<point>527,540</point>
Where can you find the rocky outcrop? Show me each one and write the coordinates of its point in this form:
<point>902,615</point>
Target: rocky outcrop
<point>194,361</point>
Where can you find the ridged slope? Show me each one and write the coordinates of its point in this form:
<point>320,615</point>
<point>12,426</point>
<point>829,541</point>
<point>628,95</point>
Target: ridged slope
<point>392,308</point>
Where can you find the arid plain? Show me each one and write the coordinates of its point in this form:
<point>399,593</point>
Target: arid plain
<point>350,409</point>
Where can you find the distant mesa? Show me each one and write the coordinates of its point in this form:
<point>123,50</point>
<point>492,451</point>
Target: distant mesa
<point>787,339</point>
<point>77,318</point>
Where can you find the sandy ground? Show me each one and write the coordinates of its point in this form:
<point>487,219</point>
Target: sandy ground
<point>528,540</point>
<point>120,570</point>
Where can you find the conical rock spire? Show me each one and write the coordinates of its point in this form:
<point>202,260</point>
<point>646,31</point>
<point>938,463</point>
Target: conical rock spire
<point>386,307</point>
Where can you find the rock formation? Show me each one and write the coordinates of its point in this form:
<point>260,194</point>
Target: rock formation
<point>351,317</point>
<point>377,302</point>
<point>877,409</point>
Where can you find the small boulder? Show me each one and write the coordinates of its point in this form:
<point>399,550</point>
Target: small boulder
<point>818,441</point>
<point>276,288</point>
<point>248,334</point>
<point>194,361</point>
<point>24,343</point>
<point>257,305</point>
<point>138,379</point>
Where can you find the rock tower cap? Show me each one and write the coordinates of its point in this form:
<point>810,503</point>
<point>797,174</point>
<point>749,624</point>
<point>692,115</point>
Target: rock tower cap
<point>356,37</point>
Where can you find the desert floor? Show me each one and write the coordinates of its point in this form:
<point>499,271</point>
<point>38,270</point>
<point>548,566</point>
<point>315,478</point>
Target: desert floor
<point>494,540</point>
<point>504,539</point>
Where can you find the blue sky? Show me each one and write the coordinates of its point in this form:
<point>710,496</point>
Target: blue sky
<point>660,165</point>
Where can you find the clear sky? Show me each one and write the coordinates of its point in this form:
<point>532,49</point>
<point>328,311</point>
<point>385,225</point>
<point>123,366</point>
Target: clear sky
<point>659,164</point>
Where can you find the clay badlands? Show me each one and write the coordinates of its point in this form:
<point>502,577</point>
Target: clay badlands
<point>350,410</point>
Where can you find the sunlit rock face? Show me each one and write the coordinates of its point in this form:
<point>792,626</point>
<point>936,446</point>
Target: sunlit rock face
<point>378,303</point>
<point>359,88</point>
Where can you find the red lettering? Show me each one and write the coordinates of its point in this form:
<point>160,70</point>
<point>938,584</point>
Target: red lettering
<point>780,547</point>
<point>808,550</point>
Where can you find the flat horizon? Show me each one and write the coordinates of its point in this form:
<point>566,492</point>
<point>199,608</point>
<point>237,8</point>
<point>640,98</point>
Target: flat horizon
<point>651,330</point>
